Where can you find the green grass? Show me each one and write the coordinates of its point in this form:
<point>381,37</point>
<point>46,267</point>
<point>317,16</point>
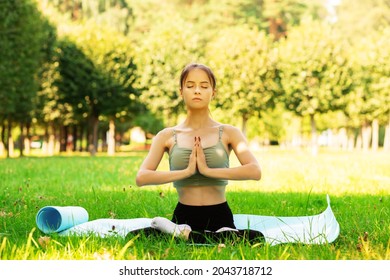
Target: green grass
<point>294,183</point>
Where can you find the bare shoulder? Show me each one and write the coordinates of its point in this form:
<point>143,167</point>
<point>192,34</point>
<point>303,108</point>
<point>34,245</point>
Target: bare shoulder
<point>165,133</point>
<point>164,136</point>
<point>232,132</point>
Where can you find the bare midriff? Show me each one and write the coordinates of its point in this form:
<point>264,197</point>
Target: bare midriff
<point>201,195</point>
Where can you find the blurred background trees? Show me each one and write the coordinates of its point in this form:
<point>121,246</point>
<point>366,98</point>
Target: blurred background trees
<point>78,75</point>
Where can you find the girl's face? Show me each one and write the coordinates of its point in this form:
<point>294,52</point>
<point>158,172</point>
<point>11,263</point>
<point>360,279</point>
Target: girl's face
<point>197,90</point>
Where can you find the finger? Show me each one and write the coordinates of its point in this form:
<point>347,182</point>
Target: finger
<point>198,147</point>
<point>195,146</point>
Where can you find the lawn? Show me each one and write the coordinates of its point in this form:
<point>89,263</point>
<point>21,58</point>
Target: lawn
<point>294,183</point>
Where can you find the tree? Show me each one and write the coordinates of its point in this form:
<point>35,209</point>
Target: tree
<point>247,80</point>
<point>23,33</point>
<point>99,74</point>
<point>149,123</point>
<point>371,99</point>
<point>358,19</point>
<point>315,71</point>
<point>164,52</point>
<point>280,15</point>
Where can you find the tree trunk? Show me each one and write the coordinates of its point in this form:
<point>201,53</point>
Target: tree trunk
<point>21,139</point>
<point>343,138</point>
<point>63,137</point>
<point>366,136</point>
<point>103,137</point>
<point>10,151</point>
<point>27,139</point>
<point>277,28</point>
<point>93,135</point>
<point>81,137</point>
<point>68,138</point>
<point>386,143</point>
<point>314,142</point>
<point>10,142</point>
<point>359,140</point>
<point>45,143</point>
<point>74,138</point>
<point>375,135</point>
<point>51,142</point>
<point>351,139</point>
<point>2,140</point>
<point>57,140</point>
<point>111,138</point>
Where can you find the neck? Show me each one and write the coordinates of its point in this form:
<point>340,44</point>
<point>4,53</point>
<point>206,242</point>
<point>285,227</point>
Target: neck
<point>198,119</point>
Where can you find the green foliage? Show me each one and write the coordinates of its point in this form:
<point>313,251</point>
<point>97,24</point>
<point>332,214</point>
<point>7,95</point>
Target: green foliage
<point>273,127</point>
<point>358,19</point>
<point>280,15</point>
<point>75,83</point>
<point>132,52</point>
<point>245,68</point>
<point>97,76</point>
<point>315,69</point>
<point>164,51</point>
<point>23,37</point>
<point>107,83</point>
<point>371,73</point>
<point>149,122</point>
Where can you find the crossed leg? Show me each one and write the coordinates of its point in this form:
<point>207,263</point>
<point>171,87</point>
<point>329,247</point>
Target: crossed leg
<point>165,225</point>
<point>184,231</point>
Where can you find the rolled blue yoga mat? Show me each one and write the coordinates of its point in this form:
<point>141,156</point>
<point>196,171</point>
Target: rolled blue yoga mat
<point>51,219</point>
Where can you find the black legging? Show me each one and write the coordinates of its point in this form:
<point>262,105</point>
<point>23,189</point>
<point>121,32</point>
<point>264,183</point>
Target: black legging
<point>208,237</point>
<point>206,220</point>
<point>202,218</point>
<point>250,236</point>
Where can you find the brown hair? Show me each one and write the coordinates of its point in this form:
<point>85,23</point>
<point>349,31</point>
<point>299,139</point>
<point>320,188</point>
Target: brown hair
<point>192,66</point>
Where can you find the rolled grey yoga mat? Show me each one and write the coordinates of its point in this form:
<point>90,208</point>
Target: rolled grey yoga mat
<point>52,219</point>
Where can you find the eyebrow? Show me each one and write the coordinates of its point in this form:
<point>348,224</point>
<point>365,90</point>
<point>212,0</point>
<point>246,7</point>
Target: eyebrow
<point>203,82</point>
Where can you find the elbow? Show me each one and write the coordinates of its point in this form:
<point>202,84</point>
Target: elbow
<point>257,176</point>
<point>256,172</point>
<point>139,179</point>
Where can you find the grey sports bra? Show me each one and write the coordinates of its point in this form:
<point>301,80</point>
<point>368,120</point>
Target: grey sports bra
<point>216,157</point>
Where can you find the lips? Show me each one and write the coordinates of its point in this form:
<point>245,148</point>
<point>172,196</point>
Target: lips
<point>196,99</point>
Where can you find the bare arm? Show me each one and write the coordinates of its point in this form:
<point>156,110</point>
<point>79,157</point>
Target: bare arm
<point>249,168</point>
<point>147,174</point>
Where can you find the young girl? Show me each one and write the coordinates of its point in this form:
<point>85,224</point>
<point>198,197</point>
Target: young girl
<point>199,150</point>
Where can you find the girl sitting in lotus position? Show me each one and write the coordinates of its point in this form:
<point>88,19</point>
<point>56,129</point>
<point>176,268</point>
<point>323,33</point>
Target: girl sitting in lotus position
<point>199,150</point>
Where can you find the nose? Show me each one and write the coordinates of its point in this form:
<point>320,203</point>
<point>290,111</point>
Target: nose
<point>197,89</point>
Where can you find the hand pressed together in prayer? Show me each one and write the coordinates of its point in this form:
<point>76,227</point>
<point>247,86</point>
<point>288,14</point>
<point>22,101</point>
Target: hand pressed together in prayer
<point>198,159</point>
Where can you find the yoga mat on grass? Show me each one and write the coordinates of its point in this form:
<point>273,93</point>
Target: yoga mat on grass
<point>52,219</point>
<point>316,229</point>
<point>109,227</point>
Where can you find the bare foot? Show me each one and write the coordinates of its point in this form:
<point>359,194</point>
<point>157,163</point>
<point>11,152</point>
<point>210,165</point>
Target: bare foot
<point>167,226</point>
